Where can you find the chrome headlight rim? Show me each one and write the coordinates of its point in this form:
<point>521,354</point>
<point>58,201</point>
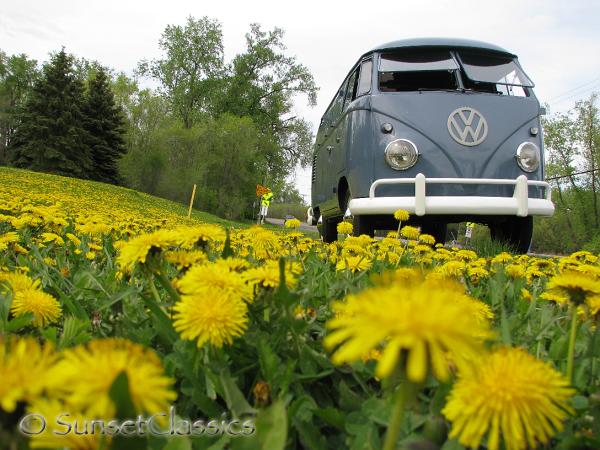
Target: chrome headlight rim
<point>519,152</point>
<point>413,160</point>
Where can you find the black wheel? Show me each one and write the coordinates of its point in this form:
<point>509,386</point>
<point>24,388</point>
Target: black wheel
<point>363,225</point>
<point>437,230</point>
<point>329,229</point>
<point>515,231</point>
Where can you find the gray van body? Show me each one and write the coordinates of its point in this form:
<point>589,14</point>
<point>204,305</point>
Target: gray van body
<point>451,180</point>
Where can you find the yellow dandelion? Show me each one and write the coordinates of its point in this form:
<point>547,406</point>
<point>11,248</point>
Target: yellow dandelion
<point>353,264</point>
<point>216,319</point>
<point>526,295</point>
<point>502,258</point>
<point>137,249</point>
<point>265,244</point>
<point>410,232</point>
<point>24,364</point>
<point>345,228</point>
<point>554,297</point>
<point>476,273</point>
<point>86,374</point>
<point>182,259</point>
<point>427,239</point>
<point>509,394</point>
<point>454,269</point>
<point>593,304</point>
<point>52,237</point>
<point>426,321</point>
<point>584,256</point>
<point>292,223</point>
<point>74,239</point>
<point>18,281</point>
<point>8,238</point>
<point>515,271</point>
<point>267,275</point>
<point>575,285</point>
<point>44,308</point>
<point>466,255</point>
<point>49,437</point>
<point>215,279</point>
<point>200,235</point>
<point>401,215</point>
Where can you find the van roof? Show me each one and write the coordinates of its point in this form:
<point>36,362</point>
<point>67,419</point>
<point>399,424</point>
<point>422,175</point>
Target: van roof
<point>439,42</point>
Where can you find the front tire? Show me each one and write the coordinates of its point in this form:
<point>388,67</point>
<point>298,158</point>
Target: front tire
<point>363,225</point>
<point>436,229</point>
<point>515,231</point>
<point>329,229</point>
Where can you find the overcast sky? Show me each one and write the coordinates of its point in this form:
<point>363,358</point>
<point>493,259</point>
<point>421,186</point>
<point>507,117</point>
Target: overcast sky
<point>557,41</point>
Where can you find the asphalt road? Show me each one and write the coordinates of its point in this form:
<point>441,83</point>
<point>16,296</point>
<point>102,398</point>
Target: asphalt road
<point>303,225</point>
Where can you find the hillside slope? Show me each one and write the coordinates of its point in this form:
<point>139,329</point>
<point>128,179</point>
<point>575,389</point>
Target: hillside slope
<point>105,201</point>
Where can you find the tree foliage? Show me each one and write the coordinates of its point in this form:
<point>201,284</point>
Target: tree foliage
<point>104,125</point>
<point>191,67</point>
<point>262,84</point>
<point>17,75</point>
<point>51,136</point>
<point>572,142</point>
<point>224,126</point>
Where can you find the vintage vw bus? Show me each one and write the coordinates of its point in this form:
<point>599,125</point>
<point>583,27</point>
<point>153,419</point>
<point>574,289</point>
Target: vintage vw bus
<point>446,129</point>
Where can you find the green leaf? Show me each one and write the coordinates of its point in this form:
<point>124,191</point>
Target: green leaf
<point>331,416</point>
<point>20,322</point>
<point>120,395</point>
<point>236,402</point>
<point>268,359</point>
<point>75,331</point>
<point>580,403</point>
<point>160,319</point>
<point>271,427</point>
<point>178,443</point>
<point>227,250</point>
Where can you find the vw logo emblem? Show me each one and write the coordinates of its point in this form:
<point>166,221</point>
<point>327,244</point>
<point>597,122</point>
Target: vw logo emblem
<point>467,126</point>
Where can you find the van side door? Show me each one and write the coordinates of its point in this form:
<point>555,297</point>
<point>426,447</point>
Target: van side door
<point>327,159</point>
<point>354,130</point>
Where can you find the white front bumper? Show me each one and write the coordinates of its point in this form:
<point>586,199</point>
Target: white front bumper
<point>420,204</point>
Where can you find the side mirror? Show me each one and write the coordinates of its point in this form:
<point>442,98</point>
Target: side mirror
<point>542,111</point>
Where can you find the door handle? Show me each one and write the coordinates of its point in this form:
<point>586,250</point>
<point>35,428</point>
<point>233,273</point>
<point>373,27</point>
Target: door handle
<point>329,148</point>
<point>338,139</point>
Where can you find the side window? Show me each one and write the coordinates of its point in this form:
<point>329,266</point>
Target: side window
<point>351,88</point>
<point>335,110</point>
<point>364,82</point>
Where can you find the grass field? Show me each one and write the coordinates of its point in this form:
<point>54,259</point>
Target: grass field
<point>121,316</point>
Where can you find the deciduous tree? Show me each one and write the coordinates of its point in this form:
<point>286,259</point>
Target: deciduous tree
<point>191,67</point>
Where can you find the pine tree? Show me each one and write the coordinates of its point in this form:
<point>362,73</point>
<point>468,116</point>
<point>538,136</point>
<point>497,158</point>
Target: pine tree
<point>104,123</point>
<point>51,136</point>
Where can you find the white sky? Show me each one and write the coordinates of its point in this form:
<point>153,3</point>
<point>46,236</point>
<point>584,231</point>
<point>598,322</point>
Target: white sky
<point>557,41</point>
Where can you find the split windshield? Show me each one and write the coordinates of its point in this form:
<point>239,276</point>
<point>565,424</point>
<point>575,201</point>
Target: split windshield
<point>432,69</point>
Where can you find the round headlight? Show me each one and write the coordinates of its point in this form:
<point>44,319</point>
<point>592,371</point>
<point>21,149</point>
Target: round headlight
<point>528,156</point>
<point>401,154</point>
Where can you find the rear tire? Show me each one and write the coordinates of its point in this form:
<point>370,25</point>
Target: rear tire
<point>329,229</point>
<point>516,232</point>
<point>363,225</point>
<point>437,230</point>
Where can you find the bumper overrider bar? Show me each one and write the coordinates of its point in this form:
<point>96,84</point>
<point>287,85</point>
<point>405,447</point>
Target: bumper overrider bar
<point>420,204</point>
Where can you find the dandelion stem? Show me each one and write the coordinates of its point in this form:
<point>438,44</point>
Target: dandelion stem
<point>571,352</point>
<point>401,397</point>
<point>591,354</point>
<point>166,284</point>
